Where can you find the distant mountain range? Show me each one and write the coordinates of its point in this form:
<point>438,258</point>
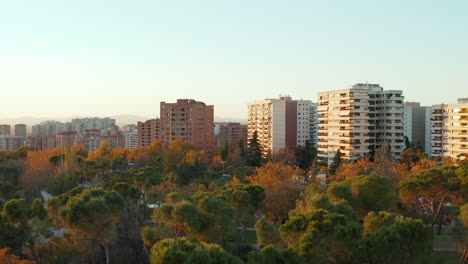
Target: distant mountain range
<point>121,120</point>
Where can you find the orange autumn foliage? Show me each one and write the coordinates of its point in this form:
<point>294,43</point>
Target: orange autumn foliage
<point>6,258</point>
<point>283,185</point>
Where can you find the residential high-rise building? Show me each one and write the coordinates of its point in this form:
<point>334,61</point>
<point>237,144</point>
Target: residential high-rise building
<point>66,138</point>
<point>306,122</point>
<point>131,139</point>
<point>91,139</point>
<point>5,130</point>
<point>37,130</point>
<point>81,124</point>
<point>43,142</point>
<point>449,130</point>
<point>415,121</point>
<point>190,120</point>
<point>49,127</point>
<point>282,123</point>
<point>9,142</point>
<point>230,133</point>
<point>359,120</point>
<point>129,128</point>
<point>148,132</point>
<point>20,130</point>
<point>114,137</point>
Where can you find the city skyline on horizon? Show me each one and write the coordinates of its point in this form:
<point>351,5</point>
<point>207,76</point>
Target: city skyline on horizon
<point>121,58</point>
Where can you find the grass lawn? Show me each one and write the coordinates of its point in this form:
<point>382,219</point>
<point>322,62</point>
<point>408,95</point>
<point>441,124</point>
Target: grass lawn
<point>445,257</point>
<point>443,243</point>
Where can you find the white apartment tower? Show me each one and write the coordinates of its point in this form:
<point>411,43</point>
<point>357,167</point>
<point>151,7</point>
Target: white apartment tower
<point>282,123</point>
<point>131,139</point>
<point>359,120</point>
<point>449,130</point>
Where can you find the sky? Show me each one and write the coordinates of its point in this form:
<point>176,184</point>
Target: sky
<point>109,57</point>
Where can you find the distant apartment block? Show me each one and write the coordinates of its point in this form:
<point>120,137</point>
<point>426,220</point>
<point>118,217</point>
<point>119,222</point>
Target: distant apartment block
<point>230,133</point>
<point>66,138</point>
<point>148,132</point>
<point>282,123</point>
<point>5,130</point>
<point>50,127</point>
<point>416,118</point>
<point>190,120</point>
<point>131,139</point>
<point>359,120</point>
<point>20,130</point>
<point>81,124</point>
<point>129,128</point>
<point>42,142</point>
<point>114,137</point>
<point>307,121</point>
<point>449,130</point>
<point>9,142</point>
<point>91,139</point>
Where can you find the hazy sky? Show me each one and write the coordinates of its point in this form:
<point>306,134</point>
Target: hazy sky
<point>106,57</point>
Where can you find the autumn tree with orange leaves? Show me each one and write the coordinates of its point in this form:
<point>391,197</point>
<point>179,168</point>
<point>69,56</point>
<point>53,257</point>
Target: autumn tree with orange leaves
<point>283,185</point>
<point>37,170</point>
<point>6,258</point>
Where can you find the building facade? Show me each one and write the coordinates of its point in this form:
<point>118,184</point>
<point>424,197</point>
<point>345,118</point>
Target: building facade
<point>81,124</point>
<point>230,133</point>
<point>131,139</point>
<point>114,137</point>
<point>5,130</point>
<point>91,139</point>
<point>148,132</point>
<point>20,130</point>
<point>190,120</point>
<point>359,120</point>
<point>42,142</point>
<point>50,127</point>
<point>415,121</point>
<point>9,142</point>
<point>282,123</point>
<point>66,138</point>
<point>449,130</point>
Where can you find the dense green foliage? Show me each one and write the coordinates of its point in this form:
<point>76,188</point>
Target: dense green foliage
<point>181,205</point>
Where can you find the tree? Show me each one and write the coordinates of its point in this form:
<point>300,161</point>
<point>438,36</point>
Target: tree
<point>336,162</point>
<point>131,222</point>
<point>384,164</point>
<point>322,237</point>
<point>390,238</point>
<point>375,193</point>
<point>284,156</point>
<point>245,200</point>
<point>6,258</point>
<point>225,151</point>
<point>254,151</point>
<point>267,233</point>
<point>283,185</point>
<point>269,255</point>
<point>68,172</point>
<point>37,170</point>
<point>204,218</point>
<point>305,155</point>
<point>460,233</point>
<point>428,191</point>
<point>184,251</point>
<point>17,229</point>
<point>349,170</point>
<point>89,215</point>
<point>410,156</point>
